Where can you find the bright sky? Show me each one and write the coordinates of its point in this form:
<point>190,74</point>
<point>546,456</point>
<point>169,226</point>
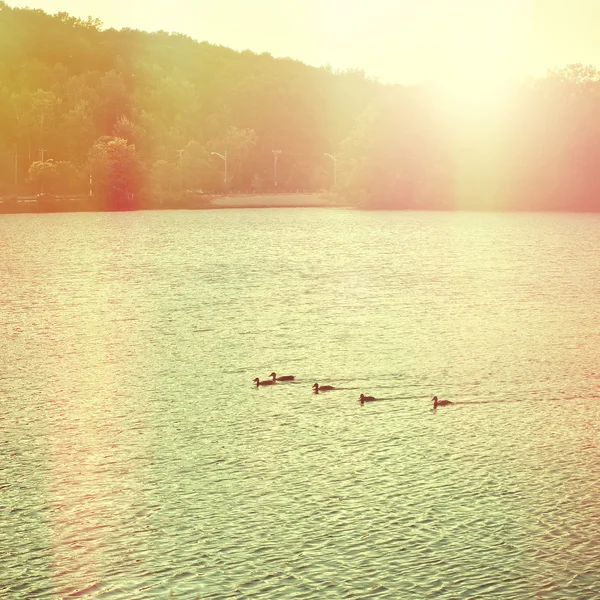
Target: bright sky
<point>399,41</point>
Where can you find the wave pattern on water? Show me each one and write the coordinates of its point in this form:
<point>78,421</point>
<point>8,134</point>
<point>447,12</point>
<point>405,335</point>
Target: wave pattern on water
<point>139,461</point>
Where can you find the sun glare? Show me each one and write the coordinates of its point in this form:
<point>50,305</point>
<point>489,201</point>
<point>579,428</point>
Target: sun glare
<point>476,99</point>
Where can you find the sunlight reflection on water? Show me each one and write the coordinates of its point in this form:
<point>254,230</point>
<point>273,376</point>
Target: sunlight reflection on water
<point>138,460</point>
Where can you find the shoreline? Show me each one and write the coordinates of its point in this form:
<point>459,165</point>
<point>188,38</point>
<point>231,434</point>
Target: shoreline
<point>296,207</point>
<point>72,204</point>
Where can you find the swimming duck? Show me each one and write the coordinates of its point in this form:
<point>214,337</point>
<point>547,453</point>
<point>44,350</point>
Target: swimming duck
<point>258,382</point>
<point>284,378</point>
<point>437,402</point>
<point>323,388</point>
<point>364,399</point>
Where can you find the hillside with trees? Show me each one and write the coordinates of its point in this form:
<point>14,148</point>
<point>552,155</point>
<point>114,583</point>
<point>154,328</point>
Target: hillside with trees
<point>142,112</point>
<point>144,119</point>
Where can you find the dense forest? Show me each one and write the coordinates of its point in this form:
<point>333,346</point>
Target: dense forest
<point>142,112</point>
<point>141,118</point>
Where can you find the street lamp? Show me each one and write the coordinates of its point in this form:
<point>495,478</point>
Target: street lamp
<point>334,159</point>
<point>276,154</point>
<point>224,157</point>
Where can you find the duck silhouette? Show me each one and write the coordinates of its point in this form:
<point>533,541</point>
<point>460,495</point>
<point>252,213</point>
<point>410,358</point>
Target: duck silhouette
<point>437,402</point>
<point>282,378</point>
<point>364,399</point>
<point>258,382</point>
<point>323,388</point>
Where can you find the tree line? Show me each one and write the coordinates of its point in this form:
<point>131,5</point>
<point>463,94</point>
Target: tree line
<point>142,113</point>
<point>138,118</point>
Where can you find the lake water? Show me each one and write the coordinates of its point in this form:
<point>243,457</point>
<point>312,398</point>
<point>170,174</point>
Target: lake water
<point>138,461</point>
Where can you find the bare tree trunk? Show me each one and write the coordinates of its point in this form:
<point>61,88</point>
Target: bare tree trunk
<point>16,165</point>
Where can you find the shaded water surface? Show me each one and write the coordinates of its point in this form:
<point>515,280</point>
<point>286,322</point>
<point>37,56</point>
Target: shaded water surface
<point>137,460</point>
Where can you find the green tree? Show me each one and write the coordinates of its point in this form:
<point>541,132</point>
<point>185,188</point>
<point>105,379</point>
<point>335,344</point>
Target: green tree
<point>198,171</point>
<point>114,101</point>
<point>56,177</point>
<point>117,173</point>
<point>164,177</point>
<point>70,179</point>
<point>238,143</point>
<point>133,133</point>
<point>77,131</point>
<point>42,176</point>
<point>257,183</point>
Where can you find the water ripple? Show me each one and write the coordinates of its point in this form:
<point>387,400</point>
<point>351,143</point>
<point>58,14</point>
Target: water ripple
<point>138,460</point>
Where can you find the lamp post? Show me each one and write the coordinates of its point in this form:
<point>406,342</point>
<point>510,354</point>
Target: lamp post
<point>276,154</point>
<point>224,157</point>
<point>334,159</point>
